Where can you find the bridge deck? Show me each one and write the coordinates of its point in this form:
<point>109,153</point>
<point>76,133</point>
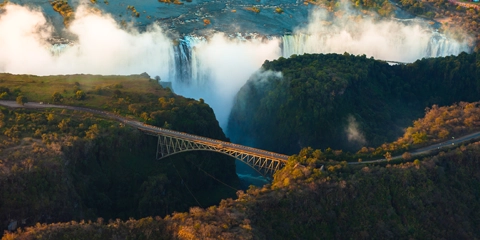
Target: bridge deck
<point>155,131</point>
<point>233,149</point>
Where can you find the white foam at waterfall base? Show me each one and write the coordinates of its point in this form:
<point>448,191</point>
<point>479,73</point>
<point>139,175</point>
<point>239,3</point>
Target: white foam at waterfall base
<point>58,49</point>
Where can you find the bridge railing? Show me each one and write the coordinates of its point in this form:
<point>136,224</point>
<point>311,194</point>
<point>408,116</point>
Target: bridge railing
<point>157,130</point>
<point>209,141</point>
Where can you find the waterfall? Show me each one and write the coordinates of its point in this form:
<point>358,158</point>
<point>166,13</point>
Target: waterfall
<point>190,65</point>
<point>400,49</point>
<point>191,54</point>
<point>57,49</point>
<point>188,68</point>
<point>440,46</point>
<point>191,71</point>
<point>294,44</point>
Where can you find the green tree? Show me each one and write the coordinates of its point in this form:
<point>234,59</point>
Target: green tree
<point>63,125</point>
<point>145,116</point>
<point>419,137</point>
<point>407,156</point>
<point>3,95</point>
<point>388,156</point>
<point>2,116</point>
<point>21,100</point>
<point>50,117</point>
<point>57,97</point>
<point>416,162</point>
<point>80,95</point>
<point>92,132</point>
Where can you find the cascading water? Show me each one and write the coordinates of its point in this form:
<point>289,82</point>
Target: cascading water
<point>190,72</point>
<point>402,50</point>
<point>441,46</point>
<point>187,70</point>
<point>190,56</point>
<point>190,66</point>
<point>57,49</point>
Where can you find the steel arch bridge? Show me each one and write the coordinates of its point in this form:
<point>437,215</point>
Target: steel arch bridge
<point>173,142</point>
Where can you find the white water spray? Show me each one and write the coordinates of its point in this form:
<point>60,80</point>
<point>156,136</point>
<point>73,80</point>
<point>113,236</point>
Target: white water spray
<point>102,47</point>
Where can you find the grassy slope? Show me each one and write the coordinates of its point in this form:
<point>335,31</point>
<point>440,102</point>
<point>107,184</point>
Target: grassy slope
<point>41,88</point>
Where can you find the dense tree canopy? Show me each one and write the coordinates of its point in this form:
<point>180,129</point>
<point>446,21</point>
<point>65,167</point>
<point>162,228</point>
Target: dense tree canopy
<point>60,165</point>
<point>344,101</point>
<point>316,198</point>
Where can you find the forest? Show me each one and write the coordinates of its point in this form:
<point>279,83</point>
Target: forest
<point>344,101</point>
<point>72,175</point>
<point>61,165</point>
<point>315,197</point>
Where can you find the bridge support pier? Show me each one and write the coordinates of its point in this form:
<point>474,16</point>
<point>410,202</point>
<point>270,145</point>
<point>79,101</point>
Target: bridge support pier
<point>158,146</point>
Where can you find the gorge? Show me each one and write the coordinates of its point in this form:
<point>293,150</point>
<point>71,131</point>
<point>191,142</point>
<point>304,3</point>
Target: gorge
<point>290,73</point>
<point>212,66</point>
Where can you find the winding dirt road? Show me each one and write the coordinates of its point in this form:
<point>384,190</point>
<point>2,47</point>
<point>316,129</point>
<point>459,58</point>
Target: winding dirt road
<point>425,150</point>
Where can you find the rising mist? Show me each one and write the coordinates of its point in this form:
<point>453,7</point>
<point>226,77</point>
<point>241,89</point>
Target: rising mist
<point>101,46</point>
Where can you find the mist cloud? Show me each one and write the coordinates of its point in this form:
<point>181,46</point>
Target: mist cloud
<point>263,76</point>
<point>102,47</point>
<point>354,135</point>
<point>23,34</point>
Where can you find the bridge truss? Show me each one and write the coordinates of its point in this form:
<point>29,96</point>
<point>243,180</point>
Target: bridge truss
<point>266,163</point>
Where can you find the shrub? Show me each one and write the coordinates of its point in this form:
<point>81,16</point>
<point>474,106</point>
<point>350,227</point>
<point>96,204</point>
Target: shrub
<point>253,9</point>
<point>80,95</point>
<point>21,100</point>
<point>57,97</point>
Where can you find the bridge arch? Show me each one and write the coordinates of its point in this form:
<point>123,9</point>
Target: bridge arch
<point>266,163</point>
<point>171,142</point>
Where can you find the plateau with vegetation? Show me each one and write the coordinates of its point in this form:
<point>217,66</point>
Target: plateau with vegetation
<point>61,165</point>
